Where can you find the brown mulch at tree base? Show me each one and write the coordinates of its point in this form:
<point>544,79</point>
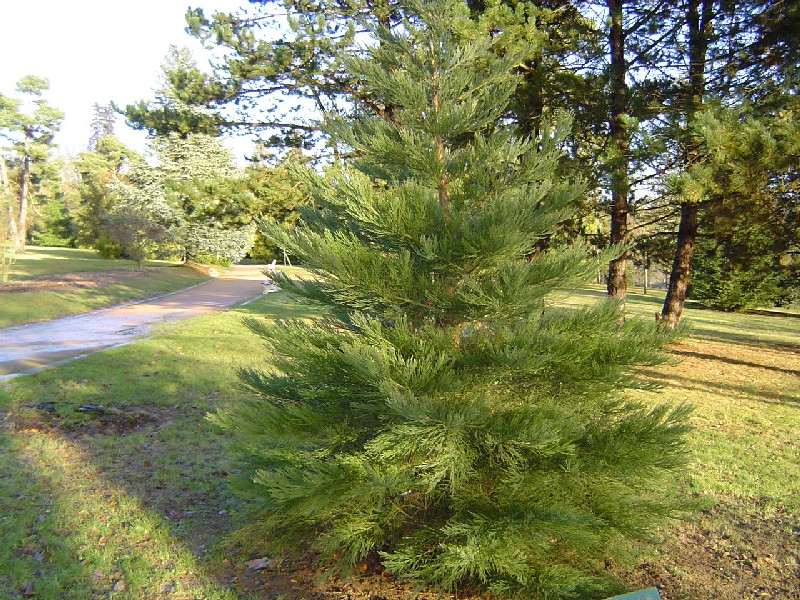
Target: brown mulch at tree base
<point>70,281</point>
<point>726,554</point>
<point>722,555</point>
<point>293,579</point>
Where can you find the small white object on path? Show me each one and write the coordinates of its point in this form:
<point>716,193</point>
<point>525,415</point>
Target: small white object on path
<point>29,348</point>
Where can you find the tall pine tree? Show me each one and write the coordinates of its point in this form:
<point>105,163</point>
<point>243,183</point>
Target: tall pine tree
<point>447,415</point>
<point>31,135</point>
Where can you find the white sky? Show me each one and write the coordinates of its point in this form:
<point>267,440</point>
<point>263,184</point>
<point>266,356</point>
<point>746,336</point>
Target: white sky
<point>94,51</point>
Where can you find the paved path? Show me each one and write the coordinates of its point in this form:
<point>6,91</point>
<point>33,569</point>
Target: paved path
<point>28,348</point>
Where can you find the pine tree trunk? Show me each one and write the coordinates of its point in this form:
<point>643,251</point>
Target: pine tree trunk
<point>619,161</point>
<point>19,229</point>
<point>699,17</point>
<point>681,266</point>
<point>7,225</point>
<point>7,218</point>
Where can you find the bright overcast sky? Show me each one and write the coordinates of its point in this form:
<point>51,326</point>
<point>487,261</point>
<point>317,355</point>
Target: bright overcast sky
<point>94,51</point>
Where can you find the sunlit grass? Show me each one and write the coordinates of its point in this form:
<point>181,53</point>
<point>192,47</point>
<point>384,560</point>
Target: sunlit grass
<point>747,415</point>
<point>741,372</point>
<point>37,261</point>
<point>706,324</point>
<point>40,305</point>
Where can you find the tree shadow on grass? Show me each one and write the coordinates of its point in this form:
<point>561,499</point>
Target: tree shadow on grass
<point>137,473</point>
<point>714,387</point>
<point>745,338</point>
<point>153,487</point>
<point>734,361</point>
<point>85,534</point>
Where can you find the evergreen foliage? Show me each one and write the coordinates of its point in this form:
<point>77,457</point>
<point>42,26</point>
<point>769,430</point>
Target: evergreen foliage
<point>56,225</point>
<point>29,123</point>
<point>747,162</point>
<point>140,221</point>
<point>279,193</point>
<point>195,203</point>
<point>741,270</point>
<point>447,415</point>
<point>201,180</point>
<point>178,107</point>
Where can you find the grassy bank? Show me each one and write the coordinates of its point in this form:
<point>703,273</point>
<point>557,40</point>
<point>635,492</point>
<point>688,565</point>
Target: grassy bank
<point>127,498</point>
<point>38,261</point>
<point>52,282</point>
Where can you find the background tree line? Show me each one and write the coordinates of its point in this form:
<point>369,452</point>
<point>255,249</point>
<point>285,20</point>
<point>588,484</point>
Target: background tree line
<point>187,198</point>
<point>684,121</point>
<point>684,112</point>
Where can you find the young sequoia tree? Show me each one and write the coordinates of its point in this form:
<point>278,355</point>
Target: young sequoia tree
<point>447,417</point>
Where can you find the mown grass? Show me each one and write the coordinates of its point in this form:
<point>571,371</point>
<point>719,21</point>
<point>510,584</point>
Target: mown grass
<point>741,373</point>
<point>37,261</point>
<point>132,503</point>
<point>126,503</point>
<point>41,305</point>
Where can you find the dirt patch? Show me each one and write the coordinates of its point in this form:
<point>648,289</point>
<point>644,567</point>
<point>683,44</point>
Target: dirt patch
<point>727,554</point>
<point>70,281</point>
<point>85,419</point>
<point>291,579</point>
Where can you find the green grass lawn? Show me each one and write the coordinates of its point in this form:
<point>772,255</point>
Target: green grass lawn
<point>17,307</point>
<point>132,502</point>
<point>37,261</point>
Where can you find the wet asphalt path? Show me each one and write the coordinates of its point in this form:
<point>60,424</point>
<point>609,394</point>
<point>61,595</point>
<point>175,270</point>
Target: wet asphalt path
<point>29,348</point>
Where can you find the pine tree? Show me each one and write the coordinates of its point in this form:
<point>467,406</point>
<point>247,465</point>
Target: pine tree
<point>447,415</point>
<point>31,135</point>
<point>102,124</point>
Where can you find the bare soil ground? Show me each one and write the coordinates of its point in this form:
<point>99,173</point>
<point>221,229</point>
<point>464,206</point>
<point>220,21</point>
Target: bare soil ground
<point>727,553</point>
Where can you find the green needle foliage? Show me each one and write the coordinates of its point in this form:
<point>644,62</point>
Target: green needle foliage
<point>446,416</point>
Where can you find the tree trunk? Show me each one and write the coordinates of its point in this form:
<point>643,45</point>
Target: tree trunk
<point>20,228</point>
<point>6,223</point>
<point>619,162</point>
<point>681,266</point>
<point>7,217</point>
<point>699,17</point>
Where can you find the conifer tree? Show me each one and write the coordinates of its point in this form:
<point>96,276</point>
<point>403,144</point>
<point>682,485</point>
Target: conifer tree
<point>448,416</point>
<point>102,124</point>
<point>31,135</point>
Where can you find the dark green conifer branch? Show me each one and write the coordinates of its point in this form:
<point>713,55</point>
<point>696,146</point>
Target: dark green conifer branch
<point>448,416</point>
